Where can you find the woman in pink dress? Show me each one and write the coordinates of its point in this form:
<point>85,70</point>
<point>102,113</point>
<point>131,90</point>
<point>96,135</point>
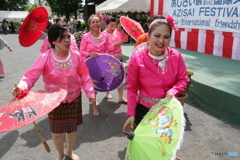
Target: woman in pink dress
<point>2,45</point>
<point>155,72</point>
<point>115,40</point>
<point>61,68</point>
<point>94,43</point>
<point>46,44</point>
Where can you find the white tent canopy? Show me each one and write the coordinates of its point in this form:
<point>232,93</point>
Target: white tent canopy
<point>13,14</point>
<point>111,6</point>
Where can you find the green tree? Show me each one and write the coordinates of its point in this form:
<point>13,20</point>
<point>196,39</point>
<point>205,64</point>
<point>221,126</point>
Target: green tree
<point>67,8</point>
<point>13,5</point>
<point>31,7</point>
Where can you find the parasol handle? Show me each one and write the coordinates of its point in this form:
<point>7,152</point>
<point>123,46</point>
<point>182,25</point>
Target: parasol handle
<point>130,135</point>
<point>44,142</point>
<point>41,31</point>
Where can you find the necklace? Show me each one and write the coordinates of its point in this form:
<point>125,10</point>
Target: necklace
<point>162,61</point>
<point>63,64</point>
<point>96,39</point>
<point>111,35</point>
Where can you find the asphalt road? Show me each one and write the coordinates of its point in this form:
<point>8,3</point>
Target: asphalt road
<point>206,137</point>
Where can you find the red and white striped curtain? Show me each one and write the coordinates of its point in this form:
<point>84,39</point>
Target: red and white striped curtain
<point>223,44</point>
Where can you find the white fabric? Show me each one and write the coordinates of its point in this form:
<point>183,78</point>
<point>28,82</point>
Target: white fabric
<point>236,48</point>
<point>201,40</point>
<point>218,43</point>
<point>124,6</point>
<point>103,4</point>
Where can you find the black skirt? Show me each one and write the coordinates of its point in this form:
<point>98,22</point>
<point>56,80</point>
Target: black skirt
<point>141,111</point>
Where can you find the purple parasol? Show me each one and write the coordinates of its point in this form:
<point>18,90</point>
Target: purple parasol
<point>106,71</point>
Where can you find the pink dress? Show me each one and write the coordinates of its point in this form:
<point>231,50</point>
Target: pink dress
<point>115,51</point>
<point>147,82</point>
<point>72,79</point>
<point>46,44</point>
<point>90,44</point>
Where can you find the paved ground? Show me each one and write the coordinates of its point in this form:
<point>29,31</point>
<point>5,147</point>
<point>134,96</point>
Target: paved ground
<point>100,138</point>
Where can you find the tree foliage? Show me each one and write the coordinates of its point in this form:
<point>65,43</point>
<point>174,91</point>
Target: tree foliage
<point>67,8</point>
<point>13,5</point>
<point>31,7</point>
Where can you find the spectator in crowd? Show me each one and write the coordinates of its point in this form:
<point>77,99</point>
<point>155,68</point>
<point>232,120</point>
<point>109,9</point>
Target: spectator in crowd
<point>2,45</point>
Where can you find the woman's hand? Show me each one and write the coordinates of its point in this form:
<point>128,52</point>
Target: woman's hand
<point>93,54</point>
<point>118,43</point>
<point>129,124</point>
<point>16,90</point>
<point>170,95</point>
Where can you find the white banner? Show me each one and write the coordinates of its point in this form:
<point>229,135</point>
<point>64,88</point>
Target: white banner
<point>218,15</point>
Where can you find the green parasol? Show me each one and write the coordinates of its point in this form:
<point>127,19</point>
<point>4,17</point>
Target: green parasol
<point>159,134</point>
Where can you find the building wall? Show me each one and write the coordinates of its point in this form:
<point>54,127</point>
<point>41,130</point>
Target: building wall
<point>46,5</point>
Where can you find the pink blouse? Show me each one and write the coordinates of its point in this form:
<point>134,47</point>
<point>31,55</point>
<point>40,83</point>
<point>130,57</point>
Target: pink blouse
<point>145,78</point>
<point>72,79</point>
<point>90,44</point>
<point>46,44</point>
<point>112,38</point>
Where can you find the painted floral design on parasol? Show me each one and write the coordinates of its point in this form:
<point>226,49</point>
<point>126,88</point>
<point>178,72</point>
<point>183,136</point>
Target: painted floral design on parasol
<point>106,71</point>
<point>159,134</point>
<point>33,26</point>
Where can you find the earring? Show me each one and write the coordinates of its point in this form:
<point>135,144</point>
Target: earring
<point>56,48</point>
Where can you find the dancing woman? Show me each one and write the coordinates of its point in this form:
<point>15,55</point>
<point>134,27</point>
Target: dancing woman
<point>115,40</point>
<point>61,68</point>
<point>94,43</point>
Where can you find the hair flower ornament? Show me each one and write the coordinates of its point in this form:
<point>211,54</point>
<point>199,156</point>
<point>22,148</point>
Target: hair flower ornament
<point>106,18</point>
<point>99,16</point>
<point>171,21</point>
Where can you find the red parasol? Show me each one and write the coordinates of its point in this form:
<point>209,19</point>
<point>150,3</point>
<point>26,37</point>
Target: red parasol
<point>132,27</point>
<point>33,26</point>
<point>22,111</point>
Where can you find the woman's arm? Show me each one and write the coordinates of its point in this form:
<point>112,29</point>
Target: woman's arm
<point>9,48</point>
<point>87,84</point>
<point>31,76</point>
<point>132,86</point>
<point>182,77</point>
<point>83,46</point>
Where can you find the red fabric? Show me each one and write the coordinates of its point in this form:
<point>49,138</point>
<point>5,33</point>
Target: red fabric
<point>178,37</point>
<point>209,42</point>
<point>227,44</point>
<point>151,7</point>
<point>192,40</point>
<point>160,7</point>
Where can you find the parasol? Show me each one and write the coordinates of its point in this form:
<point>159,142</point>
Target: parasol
<point>106,71</point>
<point>24,110</point>
<point>33,26</point>
<point>132,27</point>
<point>159,134</point>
